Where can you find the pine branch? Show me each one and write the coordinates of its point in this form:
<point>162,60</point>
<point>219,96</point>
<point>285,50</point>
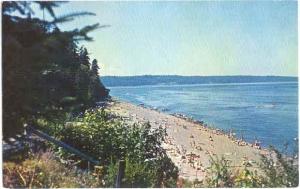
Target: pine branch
<point>48,5</point>
<point>90,28</point>
<point>70,17</point>
<point>81,34</point>
<point>20,6</point>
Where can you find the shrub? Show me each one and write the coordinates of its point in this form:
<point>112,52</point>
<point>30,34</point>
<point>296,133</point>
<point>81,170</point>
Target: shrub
<point>139,174</point>
<point>247,179</point>
<point>43,171</point>
<point>219,174</point>
<point>110,140</point>
<point>280,170</point>
<point>275,170</point>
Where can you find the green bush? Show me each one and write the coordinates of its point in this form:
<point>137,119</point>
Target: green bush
<point>275,170</point>
<point>247,179</point>
<point>110,140</point>
<point>219,173</point>
<point>280,170</point>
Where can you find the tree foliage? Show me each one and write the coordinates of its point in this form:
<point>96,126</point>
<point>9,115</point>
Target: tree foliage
<point>45,73</point>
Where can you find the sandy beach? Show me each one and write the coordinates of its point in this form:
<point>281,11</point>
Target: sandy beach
<point>190,144</point>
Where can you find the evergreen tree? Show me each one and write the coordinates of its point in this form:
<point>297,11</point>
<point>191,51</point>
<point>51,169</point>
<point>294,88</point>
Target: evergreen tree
<point>95,68</point>
<point>98,90</point>
<point>45,74</point>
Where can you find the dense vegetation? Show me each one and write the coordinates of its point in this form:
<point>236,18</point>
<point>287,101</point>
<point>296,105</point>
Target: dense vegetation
<point>109,140</point>
<point>176,79</point>
<point>45,73</point>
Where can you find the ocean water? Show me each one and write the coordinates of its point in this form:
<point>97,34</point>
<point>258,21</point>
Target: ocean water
<point>264,111</point>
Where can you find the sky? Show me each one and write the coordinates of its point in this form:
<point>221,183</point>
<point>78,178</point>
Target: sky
<point>190,38</point>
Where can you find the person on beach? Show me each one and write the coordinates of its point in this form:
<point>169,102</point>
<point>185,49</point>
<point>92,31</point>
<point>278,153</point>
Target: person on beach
<point>257,144</point>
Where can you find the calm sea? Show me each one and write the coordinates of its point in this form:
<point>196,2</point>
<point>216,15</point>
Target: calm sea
<point>266,111</point>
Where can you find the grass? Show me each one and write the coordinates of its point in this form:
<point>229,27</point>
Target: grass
<point>42,170</point>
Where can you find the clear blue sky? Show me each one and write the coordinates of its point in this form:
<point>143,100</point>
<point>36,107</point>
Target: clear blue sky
<point>191,38</point>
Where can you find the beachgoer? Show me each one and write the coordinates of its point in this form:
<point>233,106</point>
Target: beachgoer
<point>257,144</point>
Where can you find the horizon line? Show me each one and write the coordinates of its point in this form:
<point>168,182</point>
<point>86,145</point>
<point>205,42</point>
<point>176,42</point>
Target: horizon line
<point>155,75</point>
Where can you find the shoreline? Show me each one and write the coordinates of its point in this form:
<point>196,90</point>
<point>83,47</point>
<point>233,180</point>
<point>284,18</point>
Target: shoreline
<point>189,143</point>
<point>230,134</point>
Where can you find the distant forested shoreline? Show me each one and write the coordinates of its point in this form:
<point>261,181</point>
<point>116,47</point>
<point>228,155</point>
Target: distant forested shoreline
<point>176,79</point>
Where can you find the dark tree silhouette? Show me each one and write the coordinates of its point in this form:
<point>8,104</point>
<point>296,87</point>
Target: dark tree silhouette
<point>98,91</point>
<point>45,73</point>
